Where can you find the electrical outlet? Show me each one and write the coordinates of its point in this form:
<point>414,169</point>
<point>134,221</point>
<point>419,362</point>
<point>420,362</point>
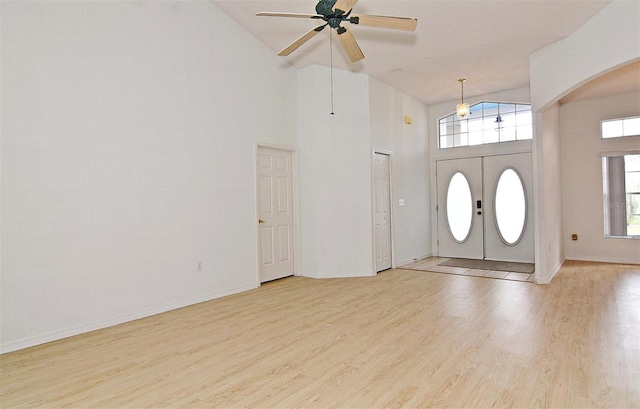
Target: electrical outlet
<point>199,268</point>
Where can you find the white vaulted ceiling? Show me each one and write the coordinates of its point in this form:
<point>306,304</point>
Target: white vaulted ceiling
<point>486,41</point>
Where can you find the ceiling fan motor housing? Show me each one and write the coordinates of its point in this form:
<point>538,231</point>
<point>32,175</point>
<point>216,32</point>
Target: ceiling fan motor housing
<point>325,7</point>
<point>334,22</point>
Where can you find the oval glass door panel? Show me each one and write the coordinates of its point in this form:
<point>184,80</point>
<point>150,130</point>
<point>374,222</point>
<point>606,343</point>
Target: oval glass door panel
<point>510,208</point>
<point>459,207</point>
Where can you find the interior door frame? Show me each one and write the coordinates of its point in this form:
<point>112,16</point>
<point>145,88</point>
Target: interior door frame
<point>391,211</point>
<point>295,205</point>
<point>487,204</point>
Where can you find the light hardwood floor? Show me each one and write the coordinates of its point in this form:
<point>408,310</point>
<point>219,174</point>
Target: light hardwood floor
<point>403,338</point>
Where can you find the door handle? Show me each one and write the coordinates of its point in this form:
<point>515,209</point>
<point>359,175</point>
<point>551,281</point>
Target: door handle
<point>260,221</point>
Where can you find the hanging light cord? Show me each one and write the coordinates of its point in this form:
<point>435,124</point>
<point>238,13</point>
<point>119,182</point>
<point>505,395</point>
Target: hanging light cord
<point>331,51</point>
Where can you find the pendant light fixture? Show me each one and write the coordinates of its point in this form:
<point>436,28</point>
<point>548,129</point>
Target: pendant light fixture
<point>462,109</point>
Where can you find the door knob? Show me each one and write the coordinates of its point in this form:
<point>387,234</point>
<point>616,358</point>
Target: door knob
<point>260,221</point>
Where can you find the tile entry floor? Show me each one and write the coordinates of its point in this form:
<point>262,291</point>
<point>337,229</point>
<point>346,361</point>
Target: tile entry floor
<point>431,264</point>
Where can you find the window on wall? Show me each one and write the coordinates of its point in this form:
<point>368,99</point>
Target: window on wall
<point>621,177</point>
<point>617,128</point>
<point>487,122</point>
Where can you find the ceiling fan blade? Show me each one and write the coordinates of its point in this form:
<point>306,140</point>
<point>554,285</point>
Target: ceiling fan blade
<point>350,45</point>
<point>395,23</point>
<point>345,5</point>
<point>278,14</point>
<point>306,37</point>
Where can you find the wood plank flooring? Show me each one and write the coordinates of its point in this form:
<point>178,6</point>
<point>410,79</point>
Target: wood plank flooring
<point>401,339</point>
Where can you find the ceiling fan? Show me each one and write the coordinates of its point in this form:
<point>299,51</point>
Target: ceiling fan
<point>336,12</point>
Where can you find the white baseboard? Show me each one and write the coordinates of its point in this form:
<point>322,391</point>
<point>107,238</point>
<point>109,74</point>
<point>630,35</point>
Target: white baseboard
<point>399,264</point>
<point>82,329</point>
<point>344,275</point>
<point>348,274</point>
<point>615,260</point>
<point>548,277</point>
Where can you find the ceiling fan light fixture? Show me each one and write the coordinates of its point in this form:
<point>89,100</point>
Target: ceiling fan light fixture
<point>462,109</point>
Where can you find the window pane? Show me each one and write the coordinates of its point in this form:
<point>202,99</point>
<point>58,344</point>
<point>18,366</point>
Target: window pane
<point>633,204</point>
<point>508,120</point>
<point>632,182</point>
<point>611,129</point>
<point>475,131</point>
<point>524,132</point>
<point>459,207</point>
<point>632,163</point>
<point>475,111</point>
<point>460,139</point>
<point>464,139</point>
<point>489,123</point>
<point>633,215</point>
<point>510,207</point>
<point>631,126</point>
<point>523,118</point>
<point>507,108</point>
<point>453,127</point>
<point>491,109</point>
<point>475,125</point>
<point>491,136</point>
<point>476,138</point>
<point>507,134</point>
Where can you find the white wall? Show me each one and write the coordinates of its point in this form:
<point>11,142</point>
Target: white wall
<point>594,49</point>
<point>581,145</point>
<point>335,174</point>
<point>128,143</point>
<point>608,40</point>
<point>409,167</point>
<point>548,188</point>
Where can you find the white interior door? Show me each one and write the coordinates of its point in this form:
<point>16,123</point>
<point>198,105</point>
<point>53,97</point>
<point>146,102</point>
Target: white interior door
<point>275,213</point>
<point>382,231</point>
<point>508,184</point>
<point>460,223</point>
<point>484,208</point>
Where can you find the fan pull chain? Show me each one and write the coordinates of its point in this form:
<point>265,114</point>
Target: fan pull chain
<point>331,53</point>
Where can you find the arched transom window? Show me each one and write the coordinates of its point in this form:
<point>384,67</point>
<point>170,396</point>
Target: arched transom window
<point>487,122</point>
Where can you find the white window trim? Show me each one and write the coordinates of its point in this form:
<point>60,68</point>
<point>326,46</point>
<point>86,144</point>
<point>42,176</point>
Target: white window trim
<point>605,203</point>
<point>622,124</point>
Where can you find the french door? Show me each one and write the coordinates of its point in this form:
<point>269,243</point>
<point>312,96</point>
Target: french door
<point>485,208</point>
